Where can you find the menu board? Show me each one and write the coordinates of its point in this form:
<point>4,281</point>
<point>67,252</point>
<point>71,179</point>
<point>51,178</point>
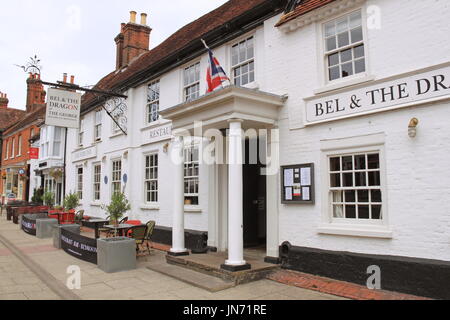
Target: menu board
<point>297,184</point>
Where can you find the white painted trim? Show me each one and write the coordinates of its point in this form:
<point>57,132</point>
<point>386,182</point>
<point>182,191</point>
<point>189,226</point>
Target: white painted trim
<point>148,207</point>
<point>192,209</point>
<point>354,231</point>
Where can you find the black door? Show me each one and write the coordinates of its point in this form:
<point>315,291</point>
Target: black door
<point>254,202</point>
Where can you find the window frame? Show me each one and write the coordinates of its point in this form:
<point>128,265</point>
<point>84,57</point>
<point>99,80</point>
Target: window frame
<point>323,53</point>
<point>146,180</point>
<point>57,139</point>
<point>8,145</point>
<point>188,165</point>
<point>351,227</point>
<point>96,184</point>
<point>156,101</point>
<point>80,183</point>
<point>80,137</point>
<point>113,172</point>
<point>98,127</point>
<point>13,147</point>
<point>19,146</point>
<point>240,64</point>
<point>191,84</point>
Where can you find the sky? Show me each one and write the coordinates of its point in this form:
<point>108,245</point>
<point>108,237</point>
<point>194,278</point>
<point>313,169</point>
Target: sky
<point>77,37</point>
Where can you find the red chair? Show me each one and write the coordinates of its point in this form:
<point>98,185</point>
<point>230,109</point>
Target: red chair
<point>68,217</point>
<point>133,223</point>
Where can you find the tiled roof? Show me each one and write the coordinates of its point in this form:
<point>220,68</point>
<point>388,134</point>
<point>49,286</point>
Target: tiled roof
<point>10,116</point>
<point>39,113</point>
<point>303,8</point>
<point>194,31</point>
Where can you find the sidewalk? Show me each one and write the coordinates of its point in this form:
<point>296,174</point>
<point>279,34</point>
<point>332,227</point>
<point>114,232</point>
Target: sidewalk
<point>19,282</point>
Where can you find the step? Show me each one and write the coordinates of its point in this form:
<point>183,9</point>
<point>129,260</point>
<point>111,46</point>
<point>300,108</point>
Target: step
<point>197,279</point>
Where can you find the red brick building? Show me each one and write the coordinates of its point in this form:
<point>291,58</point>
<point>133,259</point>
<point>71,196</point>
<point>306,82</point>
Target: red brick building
<point>15,158</point>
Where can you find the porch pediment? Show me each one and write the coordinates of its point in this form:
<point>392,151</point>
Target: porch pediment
<point>256,108</point>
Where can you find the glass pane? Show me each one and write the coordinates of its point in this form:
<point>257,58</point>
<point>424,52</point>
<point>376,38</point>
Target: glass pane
<point>347,69</point>
<point>346,55</point>
<point>335,164</point>
<point>355,19</point>
<point>335,73</point>
<point>376,213</point>
<point>335,180</point>
<point>330,29</point>
<point>343,39</point>
<point>252,76</point>
<point>342,24</point>
<point>360,66</point>
<point>245,79</point>
<point>347,163</point>
<point>350,212</point>
<point>337,197</point>
<point>333,59</point>
<point>363,212</point>
<point>358,51</point>
<point>350,196</point>
<point>360,179</point>
<point>363,195</point>
<point>338,211</point>
<point>348,179</point>
<point>376,196</point>
<point>360,162</point>
<point>357,35</point>
<point>374,178</point>
<point>331,43</point>
<point>374,161</point>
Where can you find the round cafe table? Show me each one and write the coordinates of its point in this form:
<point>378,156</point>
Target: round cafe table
<point>121,228</point>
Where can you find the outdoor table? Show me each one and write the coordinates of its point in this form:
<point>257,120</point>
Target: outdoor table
<point>98,223</point>
<point>121,228</point>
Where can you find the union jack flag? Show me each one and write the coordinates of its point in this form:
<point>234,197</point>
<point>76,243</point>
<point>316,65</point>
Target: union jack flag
<point>215,76</point>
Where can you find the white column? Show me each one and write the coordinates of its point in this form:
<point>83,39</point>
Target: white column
<point>273,191</point>
<point>235,200</point>
<point>178,245</point>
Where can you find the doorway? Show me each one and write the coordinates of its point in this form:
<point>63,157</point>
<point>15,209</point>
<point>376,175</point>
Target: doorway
<point>255,208</point>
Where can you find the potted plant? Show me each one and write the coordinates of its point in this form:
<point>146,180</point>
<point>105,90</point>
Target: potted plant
<point>56,173</point>
<point>49,199</point>
<point>117,208</point>
<point>71,202</point>
<point>38,196</point>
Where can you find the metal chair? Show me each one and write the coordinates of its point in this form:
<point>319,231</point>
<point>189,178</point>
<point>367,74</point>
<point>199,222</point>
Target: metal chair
<point>138,233</point>
<point>149,233</point>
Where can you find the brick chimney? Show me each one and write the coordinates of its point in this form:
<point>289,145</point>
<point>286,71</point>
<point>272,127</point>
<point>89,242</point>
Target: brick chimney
<point>3,101</point>
<point>35,92</point>
<point>133,40</point>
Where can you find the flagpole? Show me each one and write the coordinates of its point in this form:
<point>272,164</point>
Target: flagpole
<point>204,42</point>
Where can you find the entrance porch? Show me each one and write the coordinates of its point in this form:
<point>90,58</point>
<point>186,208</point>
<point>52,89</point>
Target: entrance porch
<point>241,126</point>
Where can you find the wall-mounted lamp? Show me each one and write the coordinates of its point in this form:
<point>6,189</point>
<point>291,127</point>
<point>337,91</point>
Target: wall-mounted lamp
<point>125,155</point>
<point>412,127</point>
<point>104,159</point>
<point>166,148</point>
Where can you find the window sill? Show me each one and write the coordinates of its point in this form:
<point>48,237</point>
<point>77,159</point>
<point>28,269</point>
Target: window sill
<point>356,231</point>
<point>115,135</point>
<point>149,207</point>
<point>95,204</point>
<point>345,83</point>
<point>252,85</point>
<point>192,209</point>
<point>154,124</point>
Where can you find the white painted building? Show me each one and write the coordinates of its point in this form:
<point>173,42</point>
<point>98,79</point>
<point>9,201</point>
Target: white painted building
<point>359,91</point>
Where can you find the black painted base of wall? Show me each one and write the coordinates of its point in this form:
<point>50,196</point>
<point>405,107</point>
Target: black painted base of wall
<point>421,277</point>
<point>272,260</point>
<point>194,240</point>
<point>178,254</point>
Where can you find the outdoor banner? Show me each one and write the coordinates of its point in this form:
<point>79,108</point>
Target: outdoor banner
<point>80,247</point>
<point>29,225</point>
<point>63,108</point>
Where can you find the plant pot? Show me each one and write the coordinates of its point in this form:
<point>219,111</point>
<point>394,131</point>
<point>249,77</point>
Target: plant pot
<point>116,254</point>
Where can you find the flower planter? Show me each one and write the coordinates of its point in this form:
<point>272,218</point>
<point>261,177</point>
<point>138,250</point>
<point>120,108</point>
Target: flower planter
<point>75,228</point>
<point>116,254</point>
<point>44,228</point>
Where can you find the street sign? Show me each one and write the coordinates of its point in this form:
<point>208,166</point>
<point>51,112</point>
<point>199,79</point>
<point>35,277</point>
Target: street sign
<point>63,108</point>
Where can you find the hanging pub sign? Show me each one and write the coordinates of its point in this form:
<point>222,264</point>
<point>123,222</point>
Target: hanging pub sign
<point>297,184</point>
<point>78,246</point>
<point>63,108</point>
<point>34,153</point>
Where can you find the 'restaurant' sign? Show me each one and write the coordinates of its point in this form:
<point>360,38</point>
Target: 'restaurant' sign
<point>63,108</point>
<point>84,154</point>
<point>418,88</point>
<point>159,134</point>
